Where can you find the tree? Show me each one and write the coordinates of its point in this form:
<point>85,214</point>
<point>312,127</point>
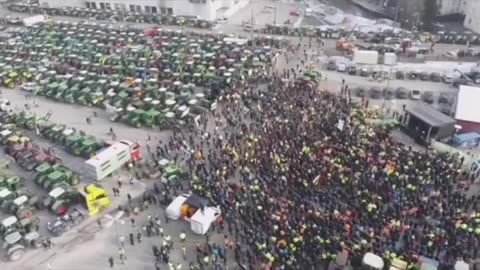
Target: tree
<point>429,13</point>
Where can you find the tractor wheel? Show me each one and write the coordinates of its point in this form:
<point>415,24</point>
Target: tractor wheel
<point>23,213</point>
<point>16,252</point>
<point>11,85</point>
<point>55,185</point>
<point>137,125</point>
<point>60,207</point>
<point>36,202</point>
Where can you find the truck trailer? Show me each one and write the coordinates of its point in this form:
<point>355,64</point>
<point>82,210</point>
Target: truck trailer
<point>107,161</point>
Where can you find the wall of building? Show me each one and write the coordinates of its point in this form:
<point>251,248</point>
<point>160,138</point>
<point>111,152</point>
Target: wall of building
<point>472,18</point>
<point>446,7</point>
<point>62,3</point>
<point>204,9</point>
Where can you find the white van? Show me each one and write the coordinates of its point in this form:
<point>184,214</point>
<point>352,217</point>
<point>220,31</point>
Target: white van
<point>202,219</point>
<point>174,209</point>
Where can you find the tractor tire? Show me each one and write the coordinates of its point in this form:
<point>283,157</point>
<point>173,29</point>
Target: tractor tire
<point>60,207</point>
<point>35,202</point>
<point>24,213</point>
<point>16,252</point>
<point>11,85</point>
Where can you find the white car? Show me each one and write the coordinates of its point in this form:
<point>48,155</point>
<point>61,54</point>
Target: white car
<point>415,95</point>
<point>29,87</point>
<point>194,209</point>
<point>341,67</point>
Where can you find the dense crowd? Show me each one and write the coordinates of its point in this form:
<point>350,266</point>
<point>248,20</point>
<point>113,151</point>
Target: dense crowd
<point>300,177</point>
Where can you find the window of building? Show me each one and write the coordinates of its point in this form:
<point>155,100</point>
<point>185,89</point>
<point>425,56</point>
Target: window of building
<point>132,8</point>
<point>204,1</point>
<point>147,9</point>
<point>102,5</point>
<point>108,6</point>
<point>87,4</point>
<point>154,10</point>
<point>138,8</point>
<point>163,10</point>
<point>93,5</point>
<point>169,11</point>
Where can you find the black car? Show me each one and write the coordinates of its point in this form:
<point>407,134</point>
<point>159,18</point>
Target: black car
<point>331,65</point>
<point>428,97</point>
<point>364,72</point>
<point>389,93</point>
<point>412,75</point>
<point>360,92</point>
<point>424,76</point>
<point>400,75</point>
<point>352,70</point>
<point>401,93</point>
<point>375,93</point>
<point>435,77</point>
<point>444,99</point>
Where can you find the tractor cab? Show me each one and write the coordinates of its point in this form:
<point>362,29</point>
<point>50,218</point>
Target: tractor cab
<point>8,225</point>
<point>60,199</point>
<point>151,118</point>
<point>6,195</point>
<point>89,148</point>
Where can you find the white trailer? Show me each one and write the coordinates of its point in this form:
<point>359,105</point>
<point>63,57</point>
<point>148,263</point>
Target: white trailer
<point>30,21</point>
<point>365,57</point>
<point>107,161</point>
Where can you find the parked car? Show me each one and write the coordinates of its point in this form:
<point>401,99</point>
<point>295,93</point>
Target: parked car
<point>364,72</point>
<point>375,92</point>
<point>400,75</point>
<point>352,70</point>
<point>424,76</point>
<point>331,65</point>
<point>29,87</point>
<point>412,75</point>
<point>415,95</point>
<point>401,93</point>
<point>389,93</point>
<point>360,92</point>
<point>435,77</point>
<point>341,67</point>
<point>428,97</point>
<point>444,99</point>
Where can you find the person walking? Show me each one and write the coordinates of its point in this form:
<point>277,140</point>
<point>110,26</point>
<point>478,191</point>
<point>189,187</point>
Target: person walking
<point>132,242</point>
<point>121,241</point>
<point>111,262</point>
<point>122,255</point>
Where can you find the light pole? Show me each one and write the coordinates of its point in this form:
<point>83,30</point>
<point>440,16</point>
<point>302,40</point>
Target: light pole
<point>275,13</point>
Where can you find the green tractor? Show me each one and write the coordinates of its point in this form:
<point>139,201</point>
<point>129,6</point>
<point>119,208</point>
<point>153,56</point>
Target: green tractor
<point>59,178</point>
<point>135,118</point>
<point>151,118</point>
<point>23,206</point>
<point>90,147</point>
<point>42,171</point>
<point>73,144</point>
<point>60,199</point>
<point>11,183</point>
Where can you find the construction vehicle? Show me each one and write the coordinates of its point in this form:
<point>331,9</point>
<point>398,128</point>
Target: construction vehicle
<point>107,161</point>
<point>95,198</point>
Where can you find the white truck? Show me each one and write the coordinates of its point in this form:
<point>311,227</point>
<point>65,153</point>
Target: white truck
<point>30,21</point>
<point>365,57</point>
<point>194,209</point>
<point>107,161</point>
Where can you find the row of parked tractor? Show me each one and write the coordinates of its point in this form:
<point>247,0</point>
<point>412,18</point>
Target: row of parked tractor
<point>19,231</point>
<point>163,78</point>
<point>111,14</point>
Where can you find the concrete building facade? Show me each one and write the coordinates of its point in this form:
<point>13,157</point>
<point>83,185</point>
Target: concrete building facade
<point>203,9</point>
<point>448,7</point>
<point>472,18</point>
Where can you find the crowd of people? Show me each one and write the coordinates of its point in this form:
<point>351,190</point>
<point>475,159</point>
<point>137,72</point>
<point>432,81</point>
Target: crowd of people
<point>300,176</point>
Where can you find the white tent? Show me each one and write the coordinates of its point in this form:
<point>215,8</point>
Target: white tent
<point>373,261</point>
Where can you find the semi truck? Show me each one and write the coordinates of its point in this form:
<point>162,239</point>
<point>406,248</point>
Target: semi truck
<point>107,161</point>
